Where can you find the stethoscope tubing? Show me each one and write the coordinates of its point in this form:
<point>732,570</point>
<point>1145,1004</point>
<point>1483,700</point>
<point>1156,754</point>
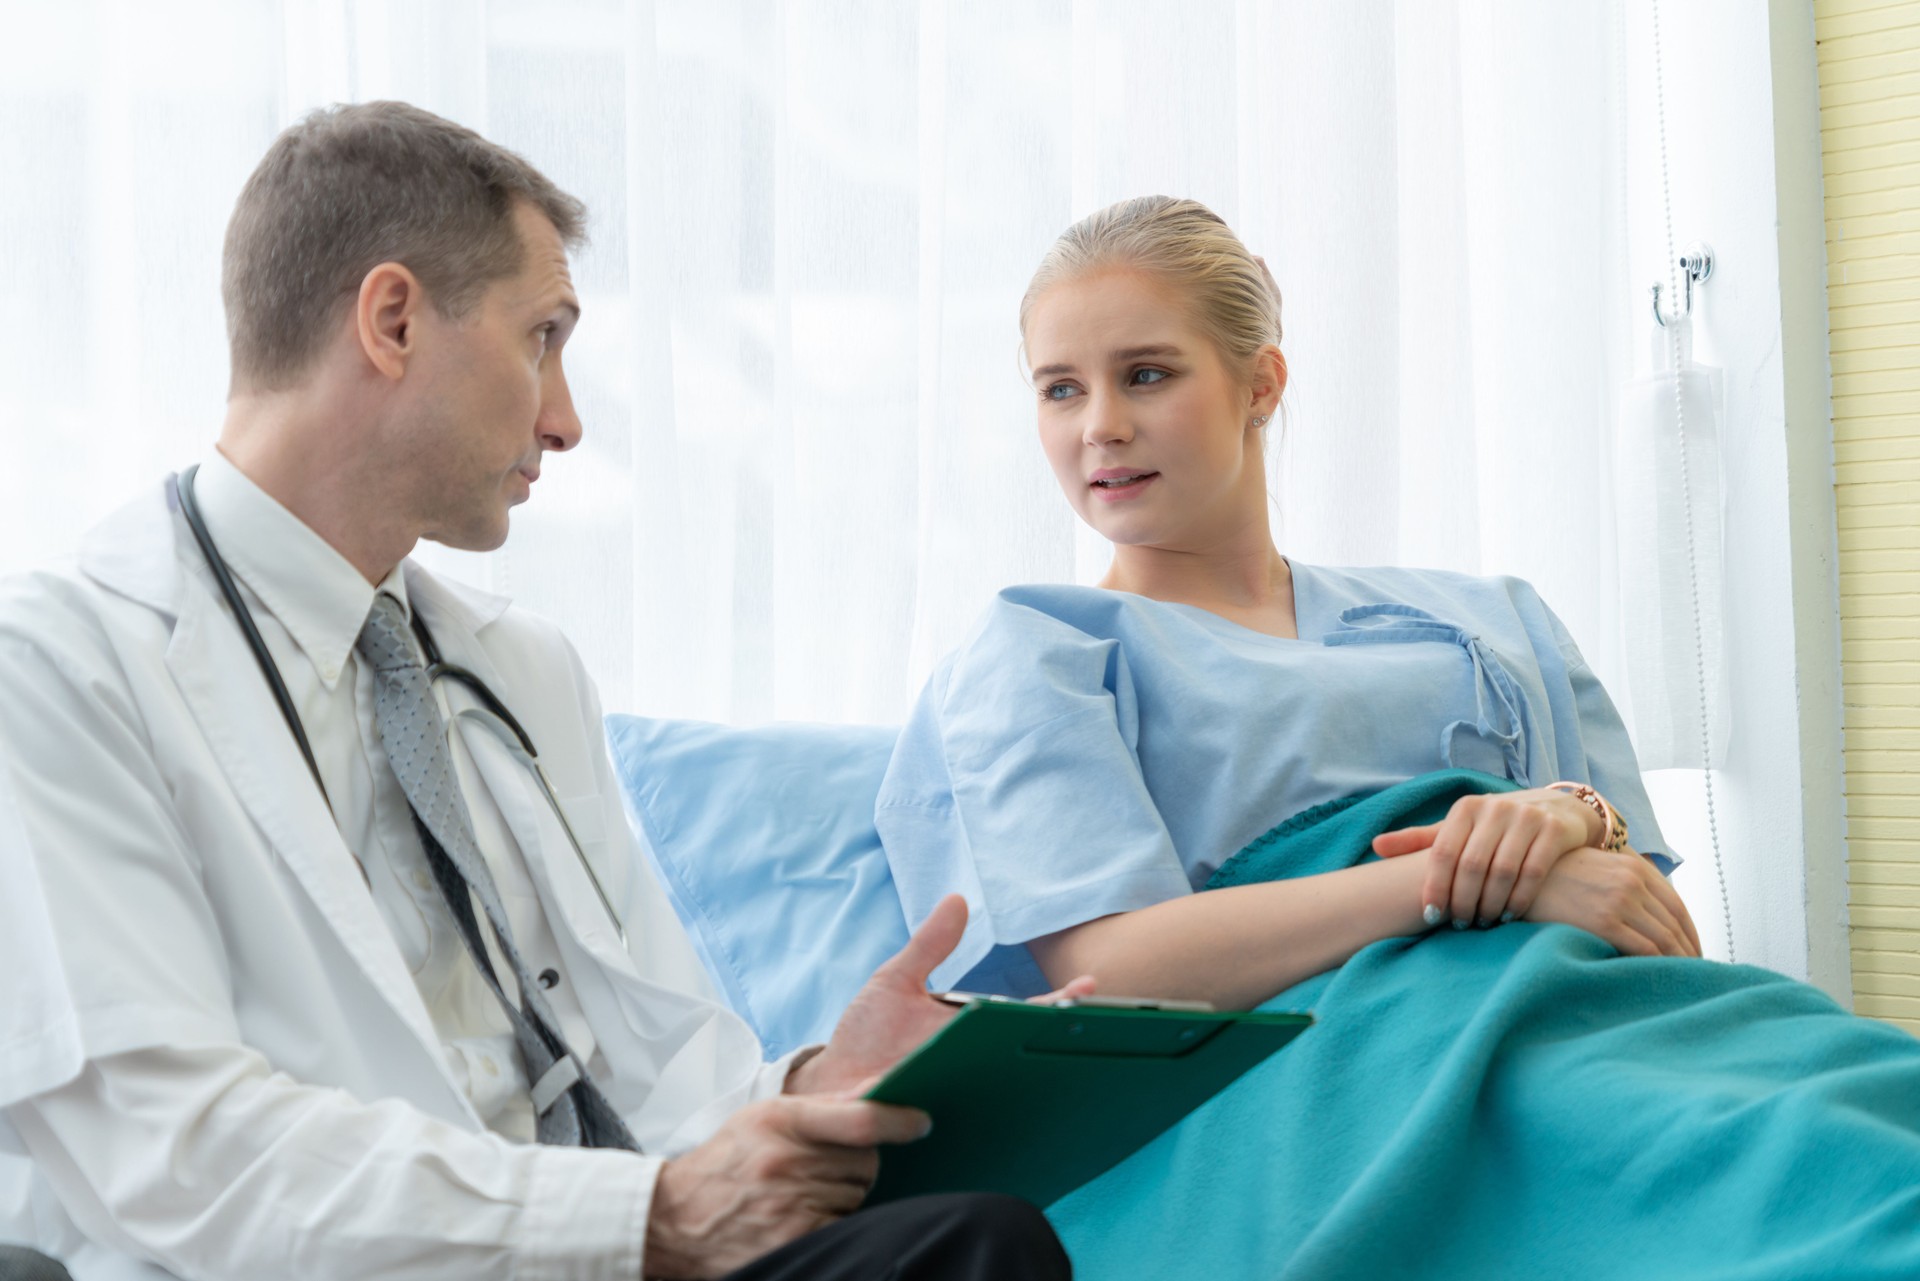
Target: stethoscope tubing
<point>436,669</point>
<point>223,577</point>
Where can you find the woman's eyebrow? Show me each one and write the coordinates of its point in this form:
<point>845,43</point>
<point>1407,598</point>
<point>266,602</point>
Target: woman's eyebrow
<point>1138,353</point>
<point>1119,357</point>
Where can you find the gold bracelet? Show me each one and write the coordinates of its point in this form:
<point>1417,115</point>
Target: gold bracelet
<point>1616,827</point>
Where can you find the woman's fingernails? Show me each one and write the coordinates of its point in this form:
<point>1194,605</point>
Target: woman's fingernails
<point>1459,925</point>
<point>1431,914</point>
<point>1482,923</point>
<point>1506,917</point>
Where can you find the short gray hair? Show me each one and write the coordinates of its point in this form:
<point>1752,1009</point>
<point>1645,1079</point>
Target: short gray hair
<point>350,187</point>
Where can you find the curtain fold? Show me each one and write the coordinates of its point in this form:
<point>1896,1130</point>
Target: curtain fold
<point>810,454</point>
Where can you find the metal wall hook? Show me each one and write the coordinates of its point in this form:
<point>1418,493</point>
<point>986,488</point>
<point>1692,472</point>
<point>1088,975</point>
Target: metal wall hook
<point>1696,268</point>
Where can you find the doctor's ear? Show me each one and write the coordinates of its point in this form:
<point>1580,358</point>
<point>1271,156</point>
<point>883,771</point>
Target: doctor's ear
<point>387,314</point>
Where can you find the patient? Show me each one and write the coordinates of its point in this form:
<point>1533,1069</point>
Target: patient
<point>1507,1096</point>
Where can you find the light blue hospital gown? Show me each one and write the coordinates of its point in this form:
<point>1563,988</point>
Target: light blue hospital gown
<point>1087,752</point>
<point>1503,1104</point>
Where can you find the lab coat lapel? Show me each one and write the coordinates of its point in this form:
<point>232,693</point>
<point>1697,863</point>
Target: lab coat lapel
<point>218,678</point>
<point>142,553</point>
<point>455,621</point>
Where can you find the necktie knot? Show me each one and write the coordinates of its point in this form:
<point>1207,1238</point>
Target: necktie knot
<point>385,639</point>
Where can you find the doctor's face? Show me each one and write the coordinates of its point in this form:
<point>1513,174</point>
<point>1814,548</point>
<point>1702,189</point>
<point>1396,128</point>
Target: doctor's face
<point>496,399</point>
<point>1145,424</point>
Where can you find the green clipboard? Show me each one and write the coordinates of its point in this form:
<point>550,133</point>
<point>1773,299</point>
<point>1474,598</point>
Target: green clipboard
<point>1036,1100</point>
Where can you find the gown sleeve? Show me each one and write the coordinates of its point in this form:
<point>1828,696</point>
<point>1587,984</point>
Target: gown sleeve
<point>1017,784</point>
<point>1600,753</point>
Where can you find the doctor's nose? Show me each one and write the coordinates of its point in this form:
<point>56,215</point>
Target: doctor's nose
<point>558,427</point>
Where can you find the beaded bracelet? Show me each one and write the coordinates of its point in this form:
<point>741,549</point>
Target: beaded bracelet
<point>1616,838</point>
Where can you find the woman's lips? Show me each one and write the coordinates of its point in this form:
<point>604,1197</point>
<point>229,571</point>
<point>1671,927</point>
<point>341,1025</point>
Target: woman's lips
<point>1118,486</point>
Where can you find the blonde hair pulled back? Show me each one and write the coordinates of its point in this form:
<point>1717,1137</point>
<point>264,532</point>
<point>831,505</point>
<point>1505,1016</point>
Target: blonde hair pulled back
<point>1233,296</point>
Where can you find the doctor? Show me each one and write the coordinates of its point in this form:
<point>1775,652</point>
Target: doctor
<point>338,989</point>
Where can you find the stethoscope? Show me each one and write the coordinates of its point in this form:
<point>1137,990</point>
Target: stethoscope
<point>498,717</point>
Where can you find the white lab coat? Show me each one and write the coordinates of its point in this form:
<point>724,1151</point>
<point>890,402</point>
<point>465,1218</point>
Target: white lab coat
<point>170,875</point>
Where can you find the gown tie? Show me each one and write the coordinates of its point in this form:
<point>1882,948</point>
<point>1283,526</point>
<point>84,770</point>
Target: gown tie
<point>1495,741</point>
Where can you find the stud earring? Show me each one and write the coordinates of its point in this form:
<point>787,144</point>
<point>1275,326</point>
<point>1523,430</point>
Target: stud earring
<point>1260,420</point>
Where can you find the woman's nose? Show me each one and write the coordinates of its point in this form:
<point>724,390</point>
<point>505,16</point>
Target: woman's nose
<point>1107,422</point>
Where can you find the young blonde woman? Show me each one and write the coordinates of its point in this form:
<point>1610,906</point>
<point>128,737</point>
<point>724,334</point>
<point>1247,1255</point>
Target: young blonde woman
<point>1488,1092</point>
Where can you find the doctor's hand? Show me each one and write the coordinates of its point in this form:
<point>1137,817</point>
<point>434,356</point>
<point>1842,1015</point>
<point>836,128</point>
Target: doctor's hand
<point>775,1171</point>
<point>1620,896</point>
<point>1491,854</point>
<point>894,1013</point>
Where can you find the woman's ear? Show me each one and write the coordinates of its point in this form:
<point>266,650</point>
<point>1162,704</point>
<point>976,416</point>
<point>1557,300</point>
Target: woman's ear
<point>1269,381</point>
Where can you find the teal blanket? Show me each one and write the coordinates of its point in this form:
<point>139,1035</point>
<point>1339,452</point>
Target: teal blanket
<point>1524,1102</point>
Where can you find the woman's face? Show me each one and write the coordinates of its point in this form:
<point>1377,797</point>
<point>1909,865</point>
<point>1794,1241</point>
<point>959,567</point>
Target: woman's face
<point>1147,427</point>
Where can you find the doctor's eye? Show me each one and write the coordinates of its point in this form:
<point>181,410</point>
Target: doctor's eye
<point>1147,377</point>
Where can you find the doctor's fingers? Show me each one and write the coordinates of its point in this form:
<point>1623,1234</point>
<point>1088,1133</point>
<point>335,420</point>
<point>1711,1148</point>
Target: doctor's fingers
<point>929,945</point>
<point>851,1123</point>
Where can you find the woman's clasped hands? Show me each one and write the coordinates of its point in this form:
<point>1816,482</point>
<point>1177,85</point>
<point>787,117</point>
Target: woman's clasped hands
<point>1535,854</point>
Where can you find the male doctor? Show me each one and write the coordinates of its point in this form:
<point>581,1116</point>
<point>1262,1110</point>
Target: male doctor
<point>328,989</point>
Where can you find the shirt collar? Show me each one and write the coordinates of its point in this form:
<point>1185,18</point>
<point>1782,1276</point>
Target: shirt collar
<point>314,591</point>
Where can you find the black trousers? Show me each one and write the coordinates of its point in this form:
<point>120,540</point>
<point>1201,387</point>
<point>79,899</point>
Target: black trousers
<point>963,1237</point>
<point>20,1264</point>
<point>934,1238</point>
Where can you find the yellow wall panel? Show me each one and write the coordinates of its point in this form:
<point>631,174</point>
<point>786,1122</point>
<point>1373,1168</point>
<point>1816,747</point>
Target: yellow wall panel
<point>1869,53</point>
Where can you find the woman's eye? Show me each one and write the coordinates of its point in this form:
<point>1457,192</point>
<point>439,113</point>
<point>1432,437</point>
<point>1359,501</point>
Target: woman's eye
<point>1148,377</point>
<point>1058,391</point>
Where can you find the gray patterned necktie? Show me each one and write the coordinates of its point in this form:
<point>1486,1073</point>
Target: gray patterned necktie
<point>571,1110</point>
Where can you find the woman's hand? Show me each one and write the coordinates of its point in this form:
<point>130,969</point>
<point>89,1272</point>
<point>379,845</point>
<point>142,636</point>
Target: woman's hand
<point>1492,853</point>
<point>1620,896</point>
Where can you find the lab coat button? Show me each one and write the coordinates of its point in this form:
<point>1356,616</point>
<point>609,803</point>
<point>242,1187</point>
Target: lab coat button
<point>421,879</point>
<point>488,1066</point>
<point>549,979</point>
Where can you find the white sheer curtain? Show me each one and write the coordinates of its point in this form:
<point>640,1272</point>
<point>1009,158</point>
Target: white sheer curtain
<point>810,454</point>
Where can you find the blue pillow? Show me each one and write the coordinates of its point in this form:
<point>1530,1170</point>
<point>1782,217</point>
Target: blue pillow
<point>764,840</point>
